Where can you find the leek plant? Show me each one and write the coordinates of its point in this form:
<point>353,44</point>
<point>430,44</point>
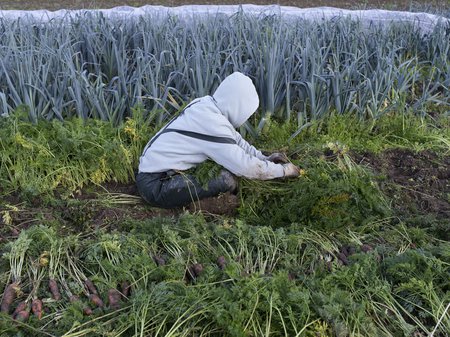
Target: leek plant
<point>94,66</point>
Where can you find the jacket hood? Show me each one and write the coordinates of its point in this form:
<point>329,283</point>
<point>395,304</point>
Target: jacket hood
<point>236,98</point>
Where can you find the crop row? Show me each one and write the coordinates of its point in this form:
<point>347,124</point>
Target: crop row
<point>92,66</point>
<point>191,277</point>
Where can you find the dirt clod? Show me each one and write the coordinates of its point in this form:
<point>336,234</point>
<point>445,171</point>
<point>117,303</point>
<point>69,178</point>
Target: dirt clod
<point>351,250</point>
<point>159,260</point>
<point>343,258</point>
<point>224,204</point>
<point>366,248</point>
<point>125,288</point>
<point>73,298</point>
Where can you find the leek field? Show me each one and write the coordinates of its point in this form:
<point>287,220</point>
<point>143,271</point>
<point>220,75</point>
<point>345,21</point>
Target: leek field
<point>358,245</point>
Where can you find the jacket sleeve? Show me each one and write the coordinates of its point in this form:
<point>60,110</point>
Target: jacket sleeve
<point>242,143</point>
<point>241,163</point>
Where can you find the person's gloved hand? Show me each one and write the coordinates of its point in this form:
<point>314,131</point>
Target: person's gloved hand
<point>290,170</point>
<point>278,158</point>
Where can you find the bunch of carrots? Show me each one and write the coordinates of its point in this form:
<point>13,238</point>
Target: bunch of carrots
<point>22,310</point>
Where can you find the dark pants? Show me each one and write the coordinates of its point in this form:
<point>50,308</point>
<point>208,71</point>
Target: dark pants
<point>177,190</point>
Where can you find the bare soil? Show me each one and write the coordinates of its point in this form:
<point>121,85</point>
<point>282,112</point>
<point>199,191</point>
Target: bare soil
<point>95,4</point>
<point>224,204</point>
<point>90,210</point>
<point>418,183</point>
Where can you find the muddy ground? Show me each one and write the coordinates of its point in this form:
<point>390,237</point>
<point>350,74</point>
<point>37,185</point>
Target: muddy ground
<point>417,184</point>
<point>352,4</point>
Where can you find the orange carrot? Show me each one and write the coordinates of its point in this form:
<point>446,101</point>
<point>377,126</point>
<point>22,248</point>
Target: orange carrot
<point>20,307</point>
<point>8,296</point>
<point>91,287</point>
<point>114,298</point>
<point>54,289</point>
<point>96,300</point>
<point>22,316</point>
<point>87,311</point>
<point>36,308</point>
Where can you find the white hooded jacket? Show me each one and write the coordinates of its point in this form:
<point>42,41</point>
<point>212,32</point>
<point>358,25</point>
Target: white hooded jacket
<point>206,129</point>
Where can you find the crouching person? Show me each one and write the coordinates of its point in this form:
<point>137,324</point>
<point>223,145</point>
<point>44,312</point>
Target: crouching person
<point>206,130</point>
